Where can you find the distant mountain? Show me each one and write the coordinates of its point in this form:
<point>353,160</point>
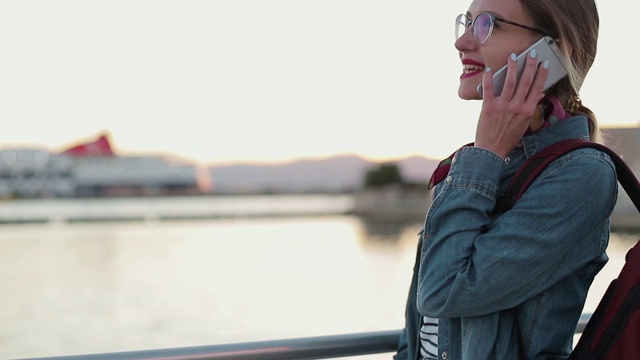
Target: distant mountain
<point>337,174</point>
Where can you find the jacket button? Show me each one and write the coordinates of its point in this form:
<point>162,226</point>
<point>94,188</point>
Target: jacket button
<point>444,355</point>
<point>449,178</point>
<point>453,161</point>
<point>507,160</point>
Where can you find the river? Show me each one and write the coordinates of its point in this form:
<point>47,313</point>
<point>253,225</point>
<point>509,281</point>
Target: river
<point>90,287</point>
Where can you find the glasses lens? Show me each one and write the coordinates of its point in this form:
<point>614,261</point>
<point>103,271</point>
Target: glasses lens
<point>461,25</point>
<point>482,27</point>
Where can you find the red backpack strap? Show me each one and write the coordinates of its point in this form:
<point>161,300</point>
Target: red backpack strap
<point>533,166</point>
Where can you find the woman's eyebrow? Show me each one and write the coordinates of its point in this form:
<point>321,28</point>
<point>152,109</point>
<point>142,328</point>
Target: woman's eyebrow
<point>488,12</point>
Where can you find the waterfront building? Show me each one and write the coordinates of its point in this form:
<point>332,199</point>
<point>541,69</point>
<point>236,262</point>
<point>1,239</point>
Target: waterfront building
<point>93,169</point>
<point>626,142</point>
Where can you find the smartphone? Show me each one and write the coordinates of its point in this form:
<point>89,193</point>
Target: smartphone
<point>546,49</point>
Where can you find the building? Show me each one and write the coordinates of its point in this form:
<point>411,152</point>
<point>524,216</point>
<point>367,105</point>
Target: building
<point>93,169</point>
<point>28,173</point>
<point>626,142</point>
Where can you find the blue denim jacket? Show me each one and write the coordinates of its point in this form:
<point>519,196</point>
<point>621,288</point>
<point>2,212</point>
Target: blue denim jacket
<point>538,258</point>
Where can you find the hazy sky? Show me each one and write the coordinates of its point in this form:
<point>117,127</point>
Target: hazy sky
<point>255,80</point>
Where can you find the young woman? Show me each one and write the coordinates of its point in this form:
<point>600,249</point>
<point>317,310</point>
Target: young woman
<point>512,285</point>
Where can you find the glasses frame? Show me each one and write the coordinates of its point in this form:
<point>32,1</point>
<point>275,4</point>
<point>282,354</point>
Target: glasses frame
<point>469,23</point>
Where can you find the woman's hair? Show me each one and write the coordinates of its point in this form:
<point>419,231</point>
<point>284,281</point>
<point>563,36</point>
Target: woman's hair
<point>575,23</point>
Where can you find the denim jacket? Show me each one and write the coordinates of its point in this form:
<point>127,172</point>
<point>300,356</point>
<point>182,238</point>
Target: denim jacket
<point>477,269</point>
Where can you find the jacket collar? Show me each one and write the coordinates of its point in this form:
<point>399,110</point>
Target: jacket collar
<point>575,127</point>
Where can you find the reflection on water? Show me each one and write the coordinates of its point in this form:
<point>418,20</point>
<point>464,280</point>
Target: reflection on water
<point>87,288</point>
<point>387,231</point>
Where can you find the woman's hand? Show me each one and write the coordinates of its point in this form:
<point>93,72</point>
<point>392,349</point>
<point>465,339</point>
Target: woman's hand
<point>504,119</point>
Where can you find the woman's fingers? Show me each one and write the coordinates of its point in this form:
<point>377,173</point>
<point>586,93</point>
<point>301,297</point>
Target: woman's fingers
<point>536,91</point>
<point>487,84</point>
<point>529,73</point>
<point>511,78</point>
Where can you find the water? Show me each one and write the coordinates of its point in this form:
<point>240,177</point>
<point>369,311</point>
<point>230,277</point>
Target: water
<point>100,287</point>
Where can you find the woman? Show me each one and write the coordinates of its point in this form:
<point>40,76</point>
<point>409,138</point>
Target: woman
<point>512,285</point>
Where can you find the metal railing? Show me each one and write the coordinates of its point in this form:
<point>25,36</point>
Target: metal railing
<point>321,347</point>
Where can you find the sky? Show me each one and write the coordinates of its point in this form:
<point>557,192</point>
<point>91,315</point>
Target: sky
<point>224,81</point>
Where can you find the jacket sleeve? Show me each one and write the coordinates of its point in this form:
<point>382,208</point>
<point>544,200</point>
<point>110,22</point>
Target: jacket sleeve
<point>477,266</point>
<point>408,341</point>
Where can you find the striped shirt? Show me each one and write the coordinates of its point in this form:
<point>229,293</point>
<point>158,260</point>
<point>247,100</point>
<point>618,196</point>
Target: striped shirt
<point>429,338</point>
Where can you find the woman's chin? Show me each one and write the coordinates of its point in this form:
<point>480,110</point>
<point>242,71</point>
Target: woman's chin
<point>468,93</point>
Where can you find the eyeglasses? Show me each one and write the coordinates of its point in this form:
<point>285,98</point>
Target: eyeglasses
<point>483,26</point>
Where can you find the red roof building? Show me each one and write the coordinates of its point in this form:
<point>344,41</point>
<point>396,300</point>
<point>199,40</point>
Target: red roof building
<point>97,148</point>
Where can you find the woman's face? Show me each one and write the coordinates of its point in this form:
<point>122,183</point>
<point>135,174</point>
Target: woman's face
<point>504,40</point>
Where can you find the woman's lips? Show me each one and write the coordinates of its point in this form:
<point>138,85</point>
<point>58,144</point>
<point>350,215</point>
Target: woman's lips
<point>471,68</point>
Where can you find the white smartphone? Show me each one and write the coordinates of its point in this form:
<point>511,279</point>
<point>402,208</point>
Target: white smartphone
<point>546,49</point>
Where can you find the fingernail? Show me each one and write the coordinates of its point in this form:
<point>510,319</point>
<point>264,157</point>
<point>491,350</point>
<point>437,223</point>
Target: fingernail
<point>513,56</point>
<point>488,69</point>
<point>546,64</point>
<point>533,53</point>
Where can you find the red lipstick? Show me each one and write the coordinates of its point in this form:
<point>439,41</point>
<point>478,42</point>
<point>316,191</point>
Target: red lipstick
<point>471,68</point>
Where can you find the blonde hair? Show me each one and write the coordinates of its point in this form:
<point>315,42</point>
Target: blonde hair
<point>575,25</point>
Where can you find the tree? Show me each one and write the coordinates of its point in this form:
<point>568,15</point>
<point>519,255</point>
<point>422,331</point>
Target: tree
<point>385,174</point>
